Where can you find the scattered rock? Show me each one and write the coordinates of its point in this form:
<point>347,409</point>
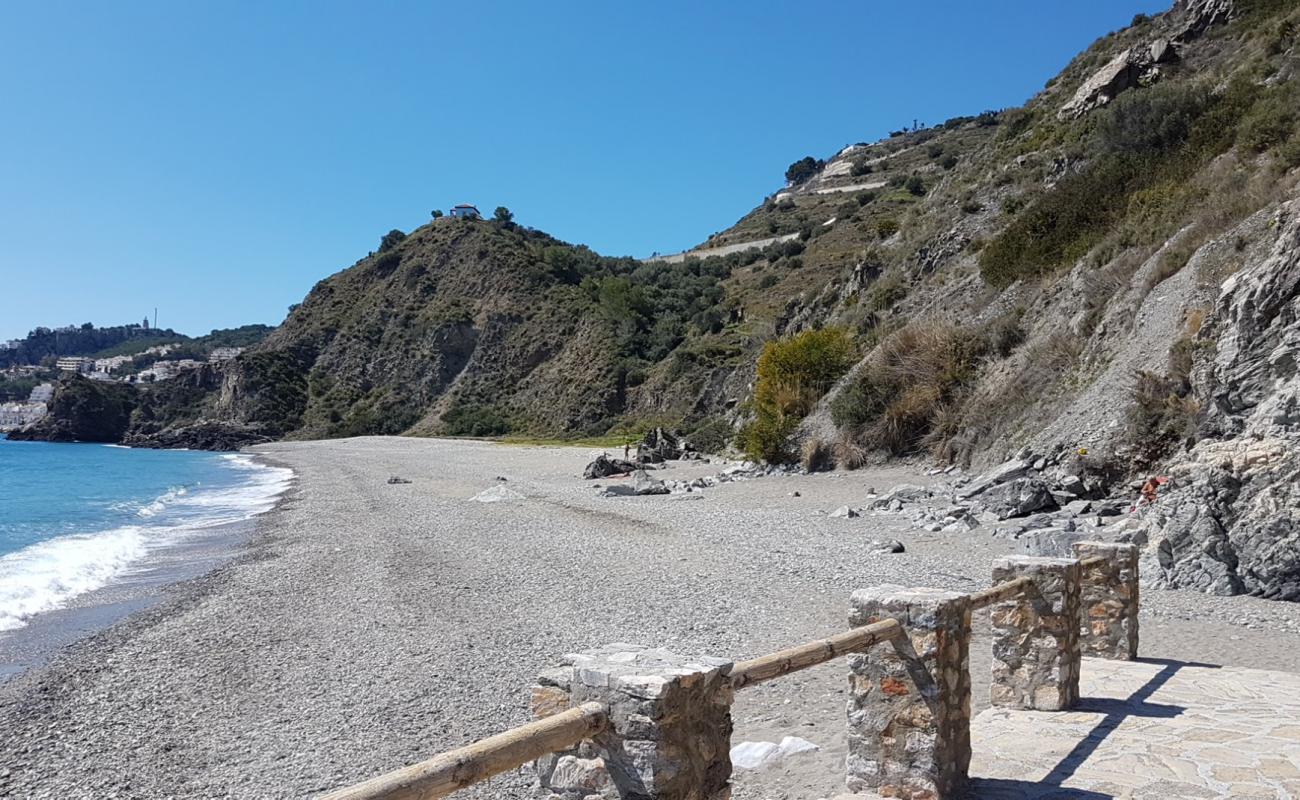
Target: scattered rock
<point>844,512</point>
<point>395,479</point>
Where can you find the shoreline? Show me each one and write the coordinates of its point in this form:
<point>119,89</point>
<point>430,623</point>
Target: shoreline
<point>161,577</point>
<point>365,626</point>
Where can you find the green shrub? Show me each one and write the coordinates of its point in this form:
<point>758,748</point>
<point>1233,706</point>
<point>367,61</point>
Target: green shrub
<point>468,419</point>
<point>1143,140</point>
<point>769,281</point>
<point>802,170</point>
<point>860,167</point>
<point>887,291</point>
<point>792,375</point>
<point>710,435</point>
<point>949,161</point>
<point>887,227</point>
<point>915,185</point>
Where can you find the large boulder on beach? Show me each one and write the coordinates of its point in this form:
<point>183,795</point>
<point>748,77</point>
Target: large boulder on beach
<point>604,466</point>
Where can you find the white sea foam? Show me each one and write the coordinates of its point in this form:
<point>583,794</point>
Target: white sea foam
<point>47,575</point>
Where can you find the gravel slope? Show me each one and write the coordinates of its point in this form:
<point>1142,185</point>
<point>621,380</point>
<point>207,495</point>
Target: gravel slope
<point>373,625</point>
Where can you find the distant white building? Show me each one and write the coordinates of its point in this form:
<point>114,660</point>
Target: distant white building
<point>466,211</point>
<point>75,364</point>
<point>16,415</point>
<point>220,354</point>
<point>111,364</point>
<point>41,393</point>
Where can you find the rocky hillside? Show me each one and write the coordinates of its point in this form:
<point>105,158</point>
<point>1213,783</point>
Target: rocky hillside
<point>1107,272</point>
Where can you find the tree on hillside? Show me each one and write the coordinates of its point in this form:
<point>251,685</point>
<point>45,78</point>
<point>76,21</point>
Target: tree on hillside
<point>391,239</point>
<point>503,214</point>
<point>802,170</point>
<point>436,213</point>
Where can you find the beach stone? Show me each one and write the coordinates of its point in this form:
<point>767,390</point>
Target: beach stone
<point>643,484</point>
<point>884,546</point>
<point>669,735</point>
<point>1036,635</point>
<point>909,700</point>
<point>1110,601</point>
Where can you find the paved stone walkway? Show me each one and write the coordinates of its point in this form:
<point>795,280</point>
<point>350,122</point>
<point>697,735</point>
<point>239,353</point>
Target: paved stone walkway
<point>1156,730</point>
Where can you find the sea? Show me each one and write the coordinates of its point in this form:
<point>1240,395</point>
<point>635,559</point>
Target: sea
<point>77,520</point>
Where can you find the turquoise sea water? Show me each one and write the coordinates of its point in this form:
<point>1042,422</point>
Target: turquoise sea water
<point>76,517</point>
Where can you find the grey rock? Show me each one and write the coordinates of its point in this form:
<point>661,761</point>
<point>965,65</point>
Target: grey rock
<point>604,466</point>
<point>1007,471</point>
<point>643,484</point>
<point>397,480</point>
<point>885,546</point>
<point>844,512</point>
<point>1018,498</point>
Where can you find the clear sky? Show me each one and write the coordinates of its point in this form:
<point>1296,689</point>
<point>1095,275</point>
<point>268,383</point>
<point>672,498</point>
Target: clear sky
<point>215,159</point>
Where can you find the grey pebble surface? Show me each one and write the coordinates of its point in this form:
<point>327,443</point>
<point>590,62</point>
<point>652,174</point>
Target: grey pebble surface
<point>370,625</point>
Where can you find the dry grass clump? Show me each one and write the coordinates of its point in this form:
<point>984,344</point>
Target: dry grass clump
<point>816,455</point>
<point>914,375</point>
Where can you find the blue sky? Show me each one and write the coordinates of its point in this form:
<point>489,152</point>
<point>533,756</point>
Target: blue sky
<point>217,159</point>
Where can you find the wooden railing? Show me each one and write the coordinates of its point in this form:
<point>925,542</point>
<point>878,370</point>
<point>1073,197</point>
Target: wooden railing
<point>445,773</point>
<point>784,662</point>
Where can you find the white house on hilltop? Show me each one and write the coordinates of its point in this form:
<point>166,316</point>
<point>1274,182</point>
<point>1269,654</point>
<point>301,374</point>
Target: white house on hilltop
<point>75,364</point>
<point>466,211</point>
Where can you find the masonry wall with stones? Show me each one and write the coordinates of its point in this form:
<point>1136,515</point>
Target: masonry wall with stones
<point>909,701</point>
<point>669,736</point>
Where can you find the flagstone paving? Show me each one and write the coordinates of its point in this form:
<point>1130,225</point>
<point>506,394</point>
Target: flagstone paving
<point>1148,729</point>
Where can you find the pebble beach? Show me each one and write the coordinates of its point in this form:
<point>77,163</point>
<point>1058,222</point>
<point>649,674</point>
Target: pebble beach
<point>366,625</point>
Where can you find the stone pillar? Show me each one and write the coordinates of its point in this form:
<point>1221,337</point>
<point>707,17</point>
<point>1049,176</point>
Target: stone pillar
<point>670,726</point>
<point>1036,635</point>
<point>1110,601</point>
<point>909,699</point>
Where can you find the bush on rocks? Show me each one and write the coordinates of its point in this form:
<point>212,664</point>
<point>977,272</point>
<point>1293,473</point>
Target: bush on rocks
<point>792,375</point>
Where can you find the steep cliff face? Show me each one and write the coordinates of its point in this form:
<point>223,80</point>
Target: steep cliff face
<point>1231,523</point>
<point>177,413</point>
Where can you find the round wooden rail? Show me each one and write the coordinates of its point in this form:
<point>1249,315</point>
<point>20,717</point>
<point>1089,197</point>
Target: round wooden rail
<point>445,773</point>
<point>774,665</point>
<point>996,594</point>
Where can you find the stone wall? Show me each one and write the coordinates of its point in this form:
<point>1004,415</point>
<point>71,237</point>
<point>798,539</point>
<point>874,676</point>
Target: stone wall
<point>1036,635</point>
<point>909,702</point>
<point>670,726</point>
